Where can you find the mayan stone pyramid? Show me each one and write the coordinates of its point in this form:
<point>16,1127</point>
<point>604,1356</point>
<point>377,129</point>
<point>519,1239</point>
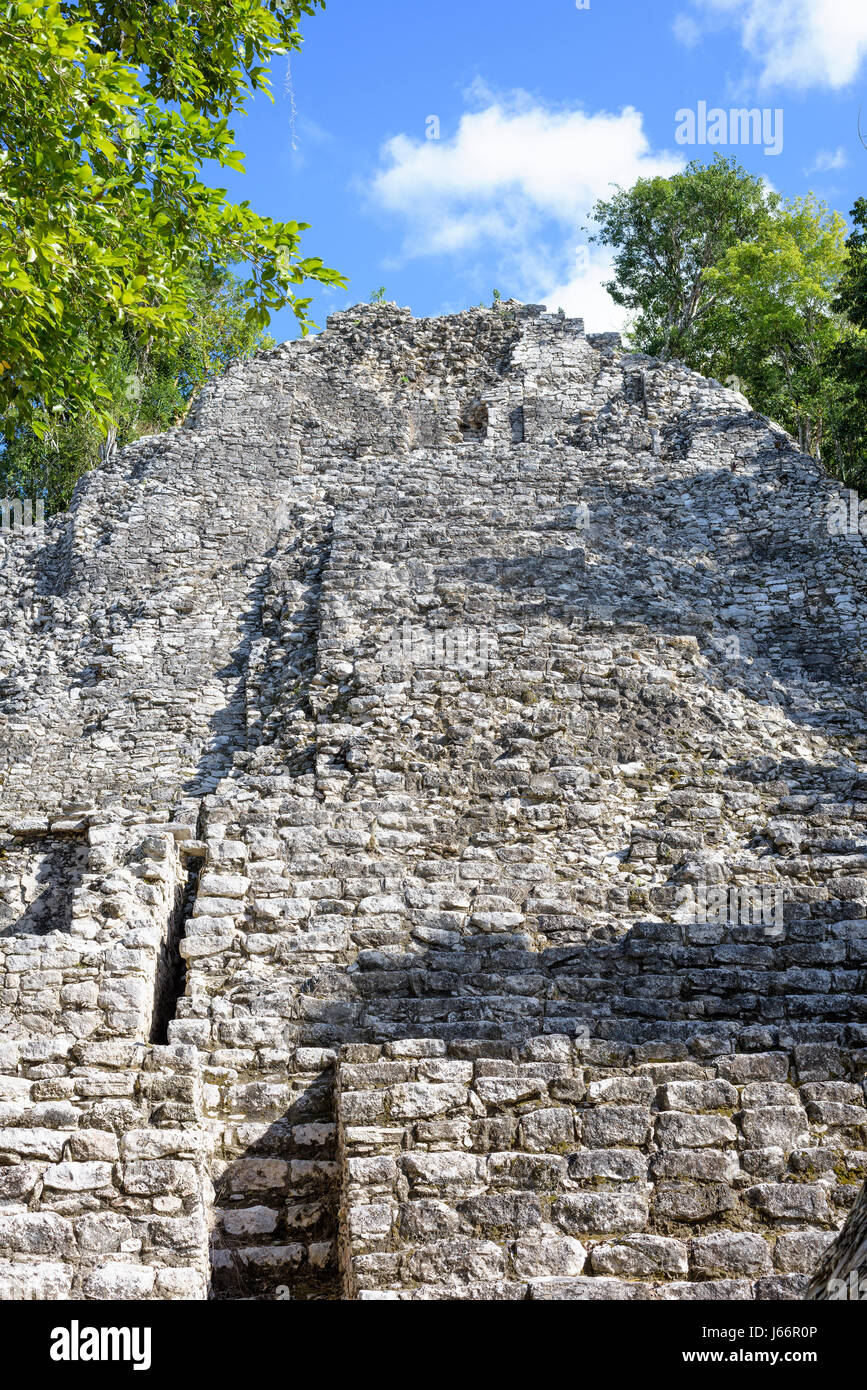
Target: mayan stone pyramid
<point>433,838</point>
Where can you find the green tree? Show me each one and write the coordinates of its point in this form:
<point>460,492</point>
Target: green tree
<point>150,387</point>
<point>774,323</point>
<point>108,110</point>
<point>667,232</point>
<point>847,362</point>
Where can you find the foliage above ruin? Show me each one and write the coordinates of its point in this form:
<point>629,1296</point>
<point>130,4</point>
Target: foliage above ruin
<point>109,113</point>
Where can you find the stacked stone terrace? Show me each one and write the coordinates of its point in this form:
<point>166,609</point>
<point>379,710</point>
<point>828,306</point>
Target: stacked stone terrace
<point>366,741</point>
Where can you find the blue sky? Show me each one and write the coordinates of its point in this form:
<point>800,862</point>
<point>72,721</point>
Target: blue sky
<point>541,107</point>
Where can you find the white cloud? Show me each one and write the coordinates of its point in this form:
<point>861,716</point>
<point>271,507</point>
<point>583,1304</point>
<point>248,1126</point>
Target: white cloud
<point>582,295</point>
<point>516,183</point>
<point>828,159</point>
<point>802,43</point>
<point>686,30</point>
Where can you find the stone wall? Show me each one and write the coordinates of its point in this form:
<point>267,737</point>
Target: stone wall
<point>365,742</point>
<point>103,1159</point>
<point>588,1170</point>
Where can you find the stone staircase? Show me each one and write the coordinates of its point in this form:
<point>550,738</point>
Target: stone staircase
<point>447,702</point>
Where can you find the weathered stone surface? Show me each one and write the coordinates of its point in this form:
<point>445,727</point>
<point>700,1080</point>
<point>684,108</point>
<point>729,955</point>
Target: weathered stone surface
<point>373,746</point>
<point>729,1255</point>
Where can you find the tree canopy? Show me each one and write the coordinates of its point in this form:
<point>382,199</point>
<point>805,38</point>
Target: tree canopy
<point>108,111</point>
<point>734,281</point>
<point>847,362</point>
<point>774,324</point>
<point>666,233</point>
<point>150,387</point>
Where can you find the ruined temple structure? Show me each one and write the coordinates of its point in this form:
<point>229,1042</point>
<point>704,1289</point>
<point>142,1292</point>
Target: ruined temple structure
<point>373,745</point>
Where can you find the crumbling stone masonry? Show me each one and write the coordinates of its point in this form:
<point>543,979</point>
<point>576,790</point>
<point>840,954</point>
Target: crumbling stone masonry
<point>360,966</point>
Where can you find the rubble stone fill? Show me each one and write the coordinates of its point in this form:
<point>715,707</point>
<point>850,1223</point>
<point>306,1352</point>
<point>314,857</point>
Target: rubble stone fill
<point>371,748</point>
